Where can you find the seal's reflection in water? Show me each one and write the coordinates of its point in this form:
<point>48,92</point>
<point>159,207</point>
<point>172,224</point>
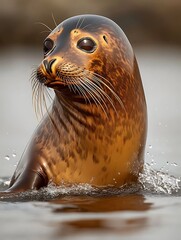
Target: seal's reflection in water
<point>101,221</point>
<point>116,226</point>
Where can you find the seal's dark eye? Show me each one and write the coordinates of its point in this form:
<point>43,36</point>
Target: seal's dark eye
<point>48,45</point>
<point>86,45</point>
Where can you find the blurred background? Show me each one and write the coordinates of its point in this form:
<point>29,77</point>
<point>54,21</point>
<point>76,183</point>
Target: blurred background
<point>154,30</point>
<point>145,22</point>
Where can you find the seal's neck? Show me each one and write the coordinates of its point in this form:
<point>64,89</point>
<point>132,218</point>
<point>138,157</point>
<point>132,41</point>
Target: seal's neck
<point>68,103</point>
<point>76,114</point>
<point>81,123</point>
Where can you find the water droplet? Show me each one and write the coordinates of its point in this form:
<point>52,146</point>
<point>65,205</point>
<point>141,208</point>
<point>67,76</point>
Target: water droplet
<point>114,179</point>
<point>152,162</point>
<point>7,157</point>
<point>14,155</point>
<point>174,164</point>
<point>150,146</point>
<point>119,173</point>
<point>147,153</point>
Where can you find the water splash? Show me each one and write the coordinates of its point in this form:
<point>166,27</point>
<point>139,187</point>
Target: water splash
<point>158,182</point>
<point>53,192</point>
<point>150,182</point>
<point>4,183</point>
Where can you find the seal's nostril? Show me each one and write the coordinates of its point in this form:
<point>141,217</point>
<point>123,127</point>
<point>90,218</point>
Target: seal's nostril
<point>51,63</point>
<point>48,65</point>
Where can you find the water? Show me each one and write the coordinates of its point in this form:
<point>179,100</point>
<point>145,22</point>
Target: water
<point>151,210</point>
<point>127,215</point>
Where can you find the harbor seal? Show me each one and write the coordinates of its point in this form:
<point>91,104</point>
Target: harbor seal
<point>95,130</point>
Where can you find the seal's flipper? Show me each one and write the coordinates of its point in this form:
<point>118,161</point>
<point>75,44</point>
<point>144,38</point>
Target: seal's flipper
<point>28,180</point>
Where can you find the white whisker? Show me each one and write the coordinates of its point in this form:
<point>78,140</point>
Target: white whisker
<point>85,26</point>
<point>81,23</point>
<point>43,24</point>
<point>91,93</point>
<point>96,79</point>
<point>54,20</point>
<point>77,23</point>
<point>94,89</point>
<point>103,93</point>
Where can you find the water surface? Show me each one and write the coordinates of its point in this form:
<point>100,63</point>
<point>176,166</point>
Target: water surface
<point>140,215</point>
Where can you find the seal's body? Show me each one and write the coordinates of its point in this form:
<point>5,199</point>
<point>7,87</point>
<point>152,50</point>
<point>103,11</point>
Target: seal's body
<point>95,131</point>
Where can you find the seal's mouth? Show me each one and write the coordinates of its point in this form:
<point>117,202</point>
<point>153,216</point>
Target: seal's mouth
<point>55,84</point>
